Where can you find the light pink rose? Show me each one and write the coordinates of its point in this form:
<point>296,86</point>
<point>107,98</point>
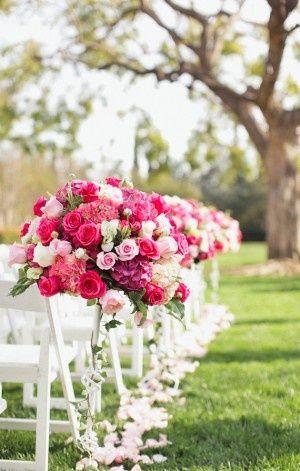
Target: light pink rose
<point>60,247</point>
<point>113,301</point>
<point>167,246</point>
<point>106,260</point>
<point>17,254</point>
<point>53,208</point>
<point>127,250</point>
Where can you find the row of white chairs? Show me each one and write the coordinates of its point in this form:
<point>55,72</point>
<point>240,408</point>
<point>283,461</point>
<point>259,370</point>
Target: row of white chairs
<point>44,346</point>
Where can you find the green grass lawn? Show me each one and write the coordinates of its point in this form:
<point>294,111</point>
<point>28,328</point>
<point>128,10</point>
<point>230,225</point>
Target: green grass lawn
<point>243,403</point>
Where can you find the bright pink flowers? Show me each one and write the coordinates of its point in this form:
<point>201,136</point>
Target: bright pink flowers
<point>104,241</point>
<point>91,285</point>
<point>46,229</point>
<point>154,294</point>
<point>88,234</point>
<point>148,248</point>
<point>49,286</point>
<point>72,222</point>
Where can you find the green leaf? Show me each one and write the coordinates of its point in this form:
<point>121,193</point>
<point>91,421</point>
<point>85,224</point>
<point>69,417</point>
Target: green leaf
<point>112,324</point>
<point>91,302</point>
<point>176,308</point>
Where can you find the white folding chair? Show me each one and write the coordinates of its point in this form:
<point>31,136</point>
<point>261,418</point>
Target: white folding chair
<point>39,364</point>
<point>76,330</point>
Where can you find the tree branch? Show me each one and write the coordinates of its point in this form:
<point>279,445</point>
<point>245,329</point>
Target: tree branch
<point>173,34</point>
<point>189,12</point>
<point>280,9</point>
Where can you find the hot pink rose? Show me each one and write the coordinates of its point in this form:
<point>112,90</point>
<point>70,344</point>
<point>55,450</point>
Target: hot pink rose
<point>38,205</point>
<point>88,234</point>
<point>60,247</point>
<point>167,246</point>
<point>113,301</point>
<point>91,285</point>
<point>89,192</point>
<point>17,254</point>
<point>113,181</point>
<point>49,286</point>
<point>148,248</point>
<point>24,229</point>
<point>127,250</point>
<point>106,260</point>
<point>182,292</point>
<point>154,294</point>
<point>72,222</point>
<point>53,208</point>
<point>46,228</point>
<point>159,203</point>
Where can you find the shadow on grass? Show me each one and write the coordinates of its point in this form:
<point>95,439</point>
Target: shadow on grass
<point>242,442</point>
<point>241,356</point>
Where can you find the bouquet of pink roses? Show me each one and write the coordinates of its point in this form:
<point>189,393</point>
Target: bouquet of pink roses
<point>207,230</point>
<point>107,243</point>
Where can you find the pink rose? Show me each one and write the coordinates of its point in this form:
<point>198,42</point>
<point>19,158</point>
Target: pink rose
<point>89,192</point>
<point>60,247</point>
<point>182,292</point>
<point>30,252</point>
<point>127,250</point>
<point>182,243</point>
<point>113,301</point>
<point>148,248</point>
<point>49,286</point>
<point>72,222</point>
<point>88,234</point>
<point>91,285</point>
<point>53,208</point>
<point>17,254</point>
<point>46,229</point>
<point>38,205</point>
<point>106,260</point>
<point>24,229</point>
<point>154,294</point>
<point>167,246</point>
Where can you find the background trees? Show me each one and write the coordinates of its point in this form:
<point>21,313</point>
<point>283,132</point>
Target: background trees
<point>217,54</point>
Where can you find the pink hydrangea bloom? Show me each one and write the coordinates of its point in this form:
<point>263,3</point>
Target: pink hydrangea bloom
<point>98,211</point>
<point>68,269</point>
<point>133,274</point>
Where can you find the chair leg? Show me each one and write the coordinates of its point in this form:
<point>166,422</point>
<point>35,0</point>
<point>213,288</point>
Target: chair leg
<point>137,351</point>
<point>43,405</point>
<point>28,394</point>
<point>116,361</point>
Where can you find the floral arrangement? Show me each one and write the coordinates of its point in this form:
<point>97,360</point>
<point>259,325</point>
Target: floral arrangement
<point>207,230</point>
<point>106,242</point>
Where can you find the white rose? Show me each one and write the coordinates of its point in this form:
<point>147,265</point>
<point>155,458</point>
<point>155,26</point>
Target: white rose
<point>147,229</point>
<point>42,256</point>
<point>80,253</point>
<point>109,230</point>
<point>111,192</point>
<point>164,224</point>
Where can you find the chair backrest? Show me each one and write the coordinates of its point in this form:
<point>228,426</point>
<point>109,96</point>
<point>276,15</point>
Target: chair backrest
<point>30,300</point>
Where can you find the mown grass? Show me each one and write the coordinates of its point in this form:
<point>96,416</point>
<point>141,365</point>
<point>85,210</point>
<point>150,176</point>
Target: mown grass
<point>243,403</point>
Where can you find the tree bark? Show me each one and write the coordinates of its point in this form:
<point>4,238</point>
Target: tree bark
<point>282,165</point>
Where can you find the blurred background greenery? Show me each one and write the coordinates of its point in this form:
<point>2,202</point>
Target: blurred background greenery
<point>51,76</point>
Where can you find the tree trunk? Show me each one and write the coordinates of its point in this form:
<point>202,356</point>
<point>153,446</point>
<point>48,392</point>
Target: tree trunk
<point>282,164</point>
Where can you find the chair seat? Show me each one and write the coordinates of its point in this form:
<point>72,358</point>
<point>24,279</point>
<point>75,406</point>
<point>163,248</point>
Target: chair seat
<point>21,362</point>
<point>2,405</point>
